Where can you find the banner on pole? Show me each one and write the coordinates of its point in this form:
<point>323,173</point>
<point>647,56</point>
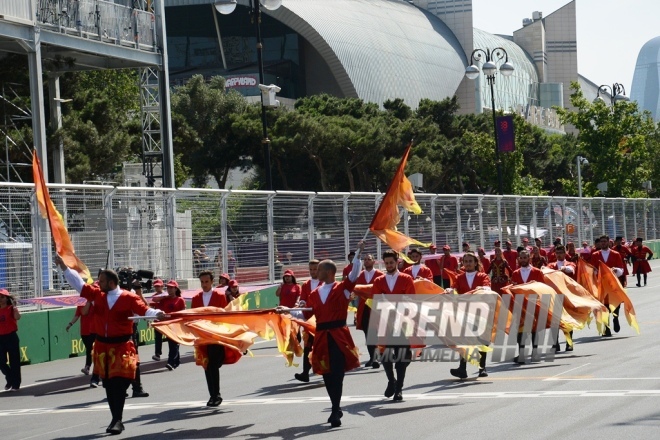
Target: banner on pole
<point>506,134</point>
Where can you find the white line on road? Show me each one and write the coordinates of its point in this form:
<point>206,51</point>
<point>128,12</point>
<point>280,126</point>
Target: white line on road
<point>158,406</point>
<point>52,432</point>
<point>567,371</point>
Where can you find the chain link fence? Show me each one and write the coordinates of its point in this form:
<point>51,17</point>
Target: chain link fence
<point>255,235</point>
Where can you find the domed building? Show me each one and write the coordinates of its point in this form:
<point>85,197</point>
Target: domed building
<point>377,50</point>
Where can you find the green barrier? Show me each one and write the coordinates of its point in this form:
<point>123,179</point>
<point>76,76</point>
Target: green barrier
<point>262,299</point>
<point>146,335</point>
<point>63,344</point>
<point>33,335</point>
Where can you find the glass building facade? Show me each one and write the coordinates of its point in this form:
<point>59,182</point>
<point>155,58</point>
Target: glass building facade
<point>646,80</point>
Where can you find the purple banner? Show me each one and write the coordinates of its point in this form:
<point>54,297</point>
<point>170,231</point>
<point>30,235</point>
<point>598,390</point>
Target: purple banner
<point>59,300</point>
<point>506,134</point>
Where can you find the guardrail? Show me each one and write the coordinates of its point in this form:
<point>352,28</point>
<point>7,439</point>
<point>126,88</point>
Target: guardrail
<point>255,235</point>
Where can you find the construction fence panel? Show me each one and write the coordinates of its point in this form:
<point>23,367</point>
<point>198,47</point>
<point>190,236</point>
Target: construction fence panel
<point>446,219</point>
<point>491,221</point>
<point>508,207</point>
<point>572,207</point>
<point>199,233</point>
<point>291,227</point>
<point>329,240</point>
<point>469,218</point>
<point>251,244</point>
<point>140,231</point>
<point>421,226</point>
<point>17,262</point>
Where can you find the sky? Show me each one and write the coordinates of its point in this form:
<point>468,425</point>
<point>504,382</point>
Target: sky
<point>610,33</point>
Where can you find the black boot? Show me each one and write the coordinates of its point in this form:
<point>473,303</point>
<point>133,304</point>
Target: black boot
<point>303,377</point>
<point>482,364</point>
<point>461,371</point>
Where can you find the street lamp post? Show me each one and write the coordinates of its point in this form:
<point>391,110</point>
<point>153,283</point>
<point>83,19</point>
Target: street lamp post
<point>580,161</point>
<point>489,68</point>
<point>617,93</point>
<point>227,7</point>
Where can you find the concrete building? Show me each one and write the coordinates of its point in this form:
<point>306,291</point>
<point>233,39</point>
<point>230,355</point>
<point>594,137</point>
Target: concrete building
<point>646,80</point>
<point>378,50</point>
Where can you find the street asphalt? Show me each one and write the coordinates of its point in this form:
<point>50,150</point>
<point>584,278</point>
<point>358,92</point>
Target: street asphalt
<point>607,388</point>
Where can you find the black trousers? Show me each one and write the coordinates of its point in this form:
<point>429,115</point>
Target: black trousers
<point>216,354</point>
<point>137,382</point>
<point>158,343</point>
<point>334,380</point>
<point>446,283</point>
<point>403,356</point>
<point>307,364</point>
<point>88,341</point>
<point>365,328</point>
<point>10,347</point>
<point>173,357</point>
<point>115,391</point>
<point>437,279</point>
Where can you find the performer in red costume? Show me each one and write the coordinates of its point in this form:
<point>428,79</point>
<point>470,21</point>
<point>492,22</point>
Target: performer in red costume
<point>472,278</point>
<point>394,282</point>
<point>115,358</point>
<point>334,351</point>
<point>418,269</point>
<point>289,290</point>
<point>525,274</point>
<point>449,262</point>
<point>613,260</point>
<point>306,289</point>
<point>641,254</point>
<point>210,357</point>
<point>367,276</point>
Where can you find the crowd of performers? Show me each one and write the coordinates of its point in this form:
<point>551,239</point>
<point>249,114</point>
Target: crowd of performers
<point>109,333</point>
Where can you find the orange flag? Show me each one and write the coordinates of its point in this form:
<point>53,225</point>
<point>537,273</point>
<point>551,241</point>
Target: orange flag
<point>399,193</point>
<point>610,288</point>
<point>63,245</point>
<point>453,277</point>
<point>587,278</point>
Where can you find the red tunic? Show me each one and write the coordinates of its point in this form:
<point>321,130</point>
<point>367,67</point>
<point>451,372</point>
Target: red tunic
<point>450,263</point>
<point>640,254</point>
<point>511,257</point>
<point>170,305</point>
<point>501,273</point>
<point>485,264</point>
<point>423,272</point>
<point>114,359</point>
<point>613,260</point>
<point>7,322</point>
<point>434,265</point>
<point>289,294</point>
<point>306,290</point>
<point>362,303</point>
<point>218,299</point>
<point>334,309</point>
<point>404,284</point>
<point>480,279</point>
<point>86,321</point>
<point>553,266</point>
<point>625,253</point>
<point>534,275</point>
<point>347,270</point>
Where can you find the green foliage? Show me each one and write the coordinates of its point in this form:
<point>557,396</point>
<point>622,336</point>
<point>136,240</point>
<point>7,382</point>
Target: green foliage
<point>620,143</point>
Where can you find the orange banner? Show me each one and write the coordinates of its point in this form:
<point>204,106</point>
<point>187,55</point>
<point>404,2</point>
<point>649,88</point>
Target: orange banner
<point>63,245</point>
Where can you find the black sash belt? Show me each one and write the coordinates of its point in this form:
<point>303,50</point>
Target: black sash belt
<point>330,325</point>
<point>114,339</point>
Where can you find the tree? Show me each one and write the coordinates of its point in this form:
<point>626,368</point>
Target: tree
<point>619,142</point>
<point>204,137</point>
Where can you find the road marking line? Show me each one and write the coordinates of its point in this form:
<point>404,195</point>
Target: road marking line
<point>157,406</point>
<point>52,432</point>
<point>567,371</point>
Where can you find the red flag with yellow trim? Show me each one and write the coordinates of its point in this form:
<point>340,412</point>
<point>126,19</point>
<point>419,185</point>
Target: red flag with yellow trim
<point>610,288</point>
<point>399,193</point>
<point>63,244</point>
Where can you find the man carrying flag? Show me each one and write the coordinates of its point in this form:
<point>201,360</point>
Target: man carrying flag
<point>115,357</point>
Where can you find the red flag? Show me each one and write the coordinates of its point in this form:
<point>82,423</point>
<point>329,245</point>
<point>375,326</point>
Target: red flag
<point>63,245</point>
<point>399,193</point>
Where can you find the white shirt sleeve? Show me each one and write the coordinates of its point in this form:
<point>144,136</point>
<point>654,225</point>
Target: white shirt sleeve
<point>568,269</point>
<point>618,271</point>
<point>74,279</point>
<point>357,268</point>
<point>151,312</point>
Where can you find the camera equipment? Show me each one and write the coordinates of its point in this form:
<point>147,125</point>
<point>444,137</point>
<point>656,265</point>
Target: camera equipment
<point>127,276</point>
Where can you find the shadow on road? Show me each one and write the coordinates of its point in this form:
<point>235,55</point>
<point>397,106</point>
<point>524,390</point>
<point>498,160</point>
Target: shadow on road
<point>288,387</point>
<point>216,432</point>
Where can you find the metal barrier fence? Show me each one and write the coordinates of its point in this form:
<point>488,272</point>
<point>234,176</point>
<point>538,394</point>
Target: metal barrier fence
<point>255,235</point>
<point>107,21</point>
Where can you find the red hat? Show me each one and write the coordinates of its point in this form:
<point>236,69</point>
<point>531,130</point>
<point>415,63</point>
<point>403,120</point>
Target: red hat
<point>508,242</point>
<point>4,292</point>
<point>172,283</point>
<point>433,247</point>
<point>225,276</point>
<point>480,249</point>
<point>497,243</point>
<point>158,282</point>
<point>290,273</point>
<point>525,240</point>
<point>446,248</point>
<point>233,283</point>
